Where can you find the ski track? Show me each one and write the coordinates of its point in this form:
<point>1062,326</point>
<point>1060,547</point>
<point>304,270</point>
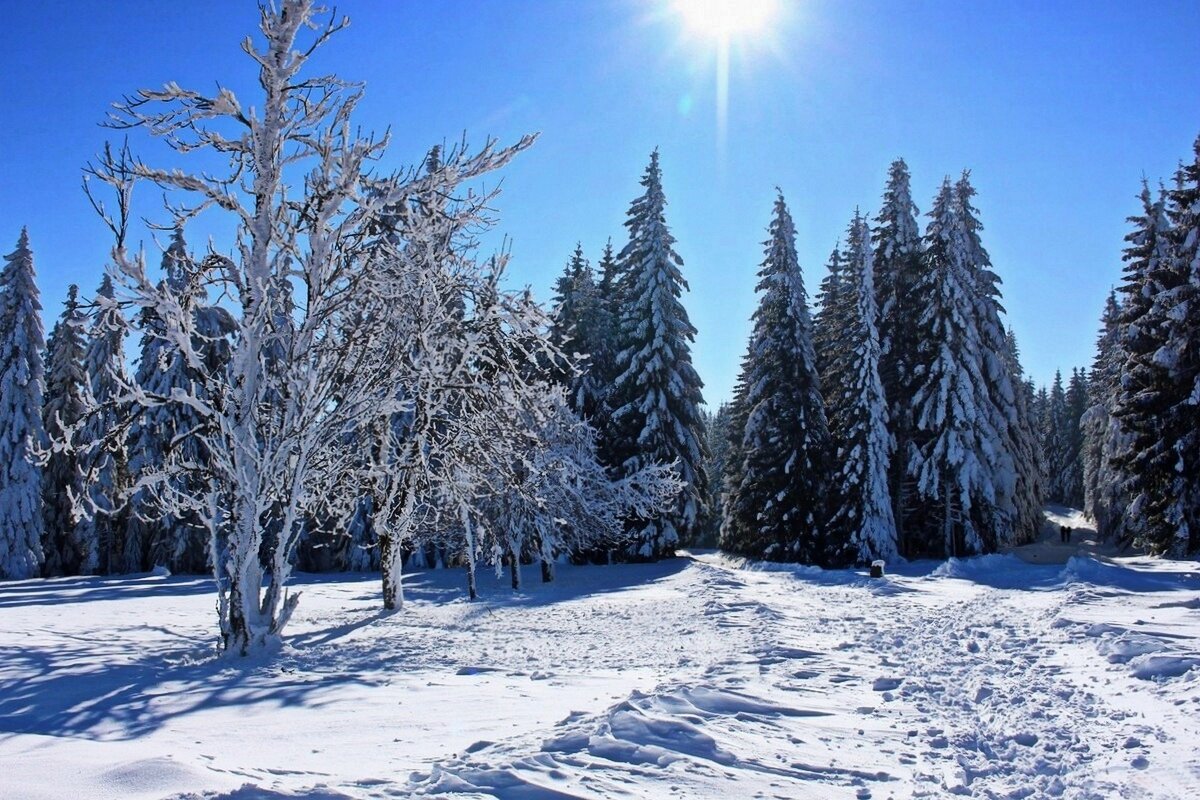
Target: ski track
<point>703,677</point>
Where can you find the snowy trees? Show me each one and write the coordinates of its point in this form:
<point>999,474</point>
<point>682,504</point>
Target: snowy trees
<point>104,457</point>
<point>778,465</point>
<point>161,432</point>
<point>861,525</point>
<point>898,267</point>
<point>1160,394</point>
<point>655,397</point>
<point>21,432</point>
<point>1103,438</point>
<point>334,243</point>
<point>957,437</point>
<point>579,331</point>
<point>62,478</point>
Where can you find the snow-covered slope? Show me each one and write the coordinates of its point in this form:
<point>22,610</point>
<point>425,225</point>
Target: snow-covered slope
<point>697,677</point>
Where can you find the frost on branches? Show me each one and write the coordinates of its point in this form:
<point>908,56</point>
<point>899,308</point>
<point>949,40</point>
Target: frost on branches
<point>375,367</point>
<point>312,223</point>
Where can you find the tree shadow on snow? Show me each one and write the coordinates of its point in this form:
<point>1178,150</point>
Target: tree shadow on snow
<point>63,591</point>
<point>81,688</point>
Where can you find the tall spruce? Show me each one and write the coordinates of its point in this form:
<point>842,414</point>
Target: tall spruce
<point>105,457</point>
<point>1030,484</point>
<point>1103,437</point>
<point>1146,466</point>
<point>22,384</point>
<point>861,527</point>
<point>775,504</point>
<point>897,239</point>
<point>656,397</point>
<point>954,428</point>
<point>577,331</point>
<point>62,478</point>
<point>1001,527</point>
<point>1160,400</point>
<point>1076,406</point>
<point>1056,440</point>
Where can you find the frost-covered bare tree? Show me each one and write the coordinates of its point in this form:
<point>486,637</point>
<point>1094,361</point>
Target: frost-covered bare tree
<point>547,494</point>
<point>321,270</point>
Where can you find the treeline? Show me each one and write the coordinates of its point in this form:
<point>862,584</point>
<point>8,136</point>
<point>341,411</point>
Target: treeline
<point>895,421</point>
<point>1123,439</point>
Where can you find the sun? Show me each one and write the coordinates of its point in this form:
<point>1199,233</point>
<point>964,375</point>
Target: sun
<point>726,19</point>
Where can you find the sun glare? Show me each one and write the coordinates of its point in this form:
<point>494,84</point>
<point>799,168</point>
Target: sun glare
<point>726,19</point>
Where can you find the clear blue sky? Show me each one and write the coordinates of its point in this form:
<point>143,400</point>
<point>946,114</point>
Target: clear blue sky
<point>1057,108</point>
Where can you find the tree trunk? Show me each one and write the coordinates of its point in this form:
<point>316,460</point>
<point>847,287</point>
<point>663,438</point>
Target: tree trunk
<point>547,570</point>
<point>389,564</point>
<point>472,589</point>
<point>514,570</point>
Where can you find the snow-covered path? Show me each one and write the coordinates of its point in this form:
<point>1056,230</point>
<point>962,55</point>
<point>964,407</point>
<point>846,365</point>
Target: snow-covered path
<point>701,677</point>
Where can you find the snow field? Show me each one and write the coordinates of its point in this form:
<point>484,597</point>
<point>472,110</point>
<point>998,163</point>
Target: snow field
<point>697,677</point>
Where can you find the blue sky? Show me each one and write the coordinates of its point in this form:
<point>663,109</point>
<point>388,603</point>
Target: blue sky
<point>1058,109</point>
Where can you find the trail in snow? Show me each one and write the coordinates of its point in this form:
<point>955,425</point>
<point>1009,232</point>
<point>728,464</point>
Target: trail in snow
<point>700,677</point>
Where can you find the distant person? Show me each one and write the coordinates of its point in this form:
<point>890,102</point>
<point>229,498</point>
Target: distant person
<point>1064,534</point>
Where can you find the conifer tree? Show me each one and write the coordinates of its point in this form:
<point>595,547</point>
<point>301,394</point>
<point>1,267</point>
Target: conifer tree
<point>1160,394</point>
<point>656,397</point>
<point>603,364</point>
<point>104,455</point>
<point>833,299</point>
<point>775,506</point>
<point>1055,441</point>
<point>577,331</point>
<point>897,239</point>
<point>1009,508</point>
<point>62,477</point>
<point>1076,407</point>
<point>1103,437</point>
<point>953,424</point>
<point>21,432</point>
<point>1030,484</point>
<point>861,527</point>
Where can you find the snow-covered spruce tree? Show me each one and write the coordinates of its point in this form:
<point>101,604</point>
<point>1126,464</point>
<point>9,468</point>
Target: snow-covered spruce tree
<point>104,456</point>
<point>1076,407</point>
<point>897,240</point>
<point>716,435</point>
<point>954,431</point>
<point>309,212</point>
<point>1140,464</point>
<point>603,362</point>
<point>1160,399</point>
<point>62,478</point>
<point>1055,440</point>
<point>1016,511</point>
<point>578,332</point>
<point>656,398</point>
<point>861,527</point>
<point>1102,434</point>
<point>21,433</point>
<point>775,508</point>
<point>834,299</point>
<point>1030,483</point>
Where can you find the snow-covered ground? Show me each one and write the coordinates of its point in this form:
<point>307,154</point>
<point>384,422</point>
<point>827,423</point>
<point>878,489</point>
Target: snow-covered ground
<point>697,677</point>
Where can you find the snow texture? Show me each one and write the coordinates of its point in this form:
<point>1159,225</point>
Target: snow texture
<point>986,677</point>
